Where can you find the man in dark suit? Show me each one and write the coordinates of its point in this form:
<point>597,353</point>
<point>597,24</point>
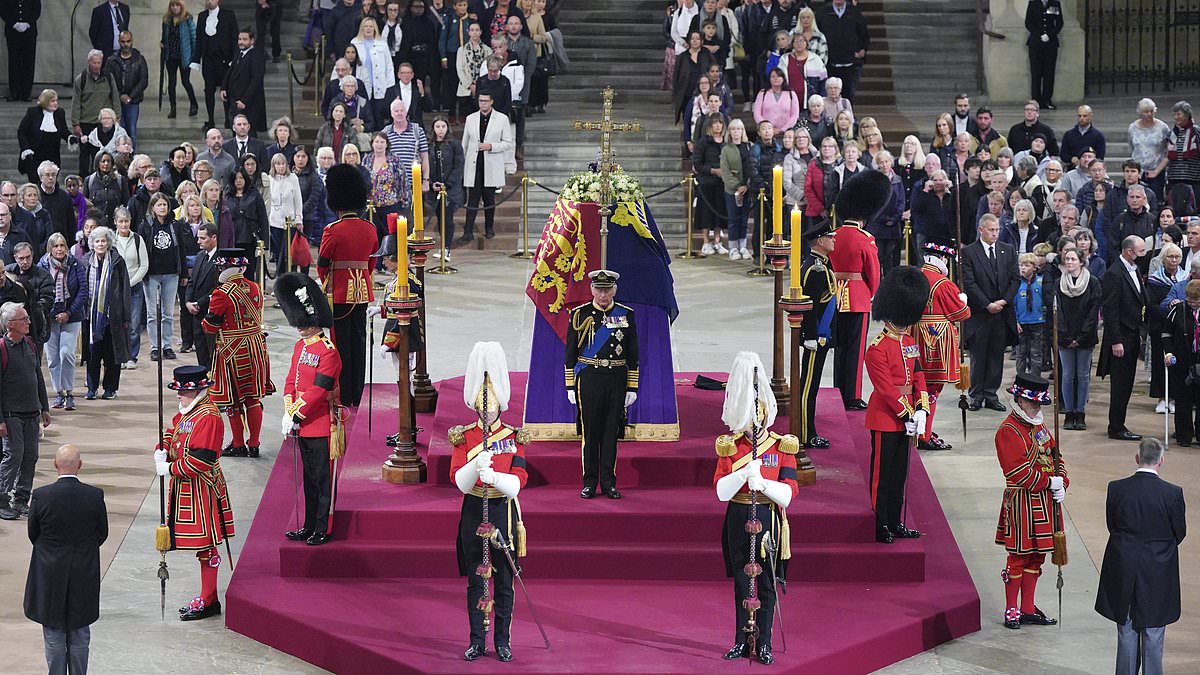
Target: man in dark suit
<point>67,524</point>
<point>20,31</point>
<point>243,141</point>
<point>216,44</point>
<point>1123,309</point>
<point>990,280</point>
<point>1139,580</point>
<point>243,88</point>
<point>200,287</point>
<point>1044,21</point>
<point>410,90</point>
<point>108,20</point>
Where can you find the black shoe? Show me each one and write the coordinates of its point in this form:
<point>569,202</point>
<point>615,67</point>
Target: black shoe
<point>108,395</point>
<point>318,538</point>
<point>252,451</point>
<point>817,442</point>
<point>231,451</point>
<point>934,443</point>
<point>474,652</point>
<point>193,109</point>
<point>1124,435</point>
<point>974,406</point>
<point>503,653</point>
<point>587,492</point>
<point>902,532</point>
<point>298,535</point>
<point>1037,618</point>
<point>185,349</point>
<point>9,513</point>
<point>489,234</point>
<point>207,125</point>
<point>765,656</point>
<point>465,239</point>
<point>202,613</point>
<point>993,404</point>
<point>856,404</point>
<point>1185,444</point>
<point>612,493</point>
<point>884,536</point>
<point>153,354</point>
<point>737,651</point>
<point>169,354</point>
<point>171,114</point>
<point>1051,106</point>
<point>90,395</point>
<point>1081,422</point>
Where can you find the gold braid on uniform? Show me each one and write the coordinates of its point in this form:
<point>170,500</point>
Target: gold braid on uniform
<point>456,435</point>
<point>726,445</point>
<point>586,328</point>
<point>789,444</point>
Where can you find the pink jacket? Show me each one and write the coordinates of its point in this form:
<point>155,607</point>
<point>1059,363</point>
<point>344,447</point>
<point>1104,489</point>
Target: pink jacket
<point>782,113</point>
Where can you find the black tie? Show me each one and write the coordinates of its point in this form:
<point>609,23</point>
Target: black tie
<point>992,257</point>
<point>241,148</point>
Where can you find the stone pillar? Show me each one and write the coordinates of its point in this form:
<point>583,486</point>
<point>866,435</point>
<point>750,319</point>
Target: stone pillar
<point>1006,62</point>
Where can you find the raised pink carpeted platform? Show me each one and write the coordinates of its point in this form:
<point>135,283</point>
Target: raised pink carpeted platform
<point>635,585</point>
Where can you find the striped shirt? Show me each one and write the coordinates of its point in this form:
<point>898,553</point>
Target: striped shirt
<point>407,146</point>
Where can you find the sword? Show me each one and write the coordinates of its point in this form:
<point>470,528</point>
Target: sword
<point>769,544</point>
<point>296,480</point>
<point>503,544</point>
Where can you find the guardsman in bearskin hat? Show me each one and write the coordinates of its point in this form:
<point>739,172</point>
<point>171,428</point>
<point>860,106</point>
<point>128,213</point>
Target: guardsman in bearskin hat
<point>344,265</point>
<point>198,513</point>
<point>756,475</point>
<point>819,285</point>
<point>899,405</point>
<point>488,464</point>
<point>1033,480</point>
<point>241,367</point>
<point>855,262</point>
<point>937,333</point>
<point>310,403</point>
<point>601,359</point>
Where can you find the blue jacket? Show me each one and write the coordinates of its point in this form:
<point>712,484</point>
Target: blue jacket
<point>76,304</point>
<point>1028,302</point>
<point>187,39</point>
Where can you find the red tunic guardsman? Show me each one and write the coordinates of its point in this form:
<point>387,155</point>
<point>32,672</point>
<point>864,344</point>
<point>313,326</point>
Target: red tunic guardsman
<point>310,405</point>
<point>199,515</point>
<point>899,403</point>
<point>758,483</point>
<point>1033,481</point>
<point>937,334</point>
<point>496,473</point>
<point>344,266</point>
<point>855,263</point>
<point>241,367</point>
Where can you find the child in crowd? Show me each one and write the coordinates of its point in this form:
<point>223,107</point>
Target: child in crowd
<point>1031,314</point>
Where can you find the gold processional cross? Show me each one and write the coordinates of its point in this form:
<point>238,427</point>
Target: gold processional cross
<point>606,127</point>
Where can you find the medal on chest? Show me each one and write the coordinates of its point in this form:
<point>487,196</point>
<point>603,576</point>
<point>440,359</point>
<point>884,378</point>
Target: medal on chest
<point>910,351</point>
<point>503,446</point>
<point>770,460</point>
<point>308,358</point>
<point>616,322</point>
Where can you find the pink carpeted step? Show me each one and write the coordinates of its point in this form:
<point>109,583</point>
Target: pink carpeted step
<point>641,561</point>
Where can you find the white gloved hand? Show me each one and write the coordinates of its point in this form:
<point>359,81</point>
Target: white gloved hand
<point>385,350</point>
<point>162,468</point>
<point>810,345</point>
<point>752,468</point>
<point>756,483</point>
<point>20,26</point>
<point>194,66</point>
<point>963,297</point>
<point>630,397</point>
<point>373,311</point>
<point>483,460</point>
<point>286,425</point>
<point>1056,483</point>
<point>487,476</point>
<point>571,396</point>
<point>160,456</point>
<point>1058,495</point>
<point>920,418</point>
<point>1045,38</point>
<point>910,428</point>
<point>26,153</point>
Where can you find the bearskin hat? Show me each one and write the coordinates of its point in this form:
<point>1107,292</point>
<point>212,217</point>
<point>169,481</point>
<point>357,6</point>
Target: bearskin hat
<point>302,301</point>
<point>901,297</point>
<point>345,189</point>
<point>863,196</point>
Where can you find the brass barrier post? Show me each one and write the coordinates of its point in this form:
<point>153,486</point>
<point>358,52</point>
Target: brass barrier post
<point>524,253</point>
<point>689,253</point>
<point>761,271</point>
<point>443,268</point>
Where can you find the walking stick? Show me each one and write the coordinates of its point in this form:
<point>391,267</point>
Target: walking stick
<point>1059,556</point>
<point>1167,416</point>
<point>162,534</point>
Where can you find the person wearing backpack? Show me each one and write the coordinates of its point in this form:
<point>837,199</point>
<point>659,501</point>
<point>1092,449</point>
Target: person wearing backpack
<point>23,405</point>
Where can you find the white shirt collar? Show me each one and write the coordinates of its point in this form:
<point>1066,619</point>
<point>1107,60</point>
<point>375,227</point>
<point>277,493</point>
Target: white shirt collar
<point>1129,267</point>
<point>71,475</point>
<point>1146,469</point>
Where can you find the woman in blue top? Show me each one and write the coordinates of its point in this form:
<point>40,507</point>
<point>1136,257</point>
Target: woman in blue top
<point>177,42</point>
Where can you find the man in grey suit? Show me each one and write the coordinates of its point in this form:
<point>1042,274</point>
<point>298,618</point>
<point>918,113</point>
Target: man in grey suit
<point>1139,580</point>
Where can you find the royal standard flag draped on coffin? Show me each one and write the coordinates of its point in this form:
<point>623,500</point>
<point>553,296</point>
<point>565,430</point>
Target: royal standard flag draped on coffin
<point>568,250</point>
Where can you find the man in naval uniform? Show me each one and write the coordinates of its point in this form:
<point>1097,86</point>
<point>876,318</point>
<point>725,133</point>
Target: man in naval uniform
<point>818,282</point>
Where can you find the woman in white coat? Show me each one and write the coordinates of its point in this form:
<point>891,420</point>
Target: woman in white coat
<point>374,60</point>
<point>285,201</point>
<point>483,169</point>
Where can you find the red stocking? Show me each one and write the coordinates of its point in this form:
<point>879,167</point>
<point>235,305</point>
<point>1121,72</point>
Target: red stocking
<point>254,414</point>
<point>208,576</point>
<point>1013,577</point>
<point>935,390</point>
<point>235,425</point>
<point>1033,570</point>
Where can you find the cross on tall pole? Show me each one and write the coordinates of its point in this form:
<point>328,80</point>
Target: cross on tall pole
<point>606,127</point>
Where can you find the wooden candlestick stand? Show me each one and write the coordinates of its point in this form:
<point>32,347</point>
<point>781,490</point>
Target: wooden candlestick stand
<point>796,304</point>
<point>424,395</point>
<point>404,465</point>
<point>777,251</point>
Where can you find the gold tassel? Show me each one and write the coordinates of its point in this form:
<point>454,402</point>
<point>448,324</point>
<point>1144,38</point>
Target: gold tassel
<point>785,539</point>
<point>1059,556</point>
<point>521,538</point>
<point>337,438</point>
<point>162,538</point>
<point>964,377</point>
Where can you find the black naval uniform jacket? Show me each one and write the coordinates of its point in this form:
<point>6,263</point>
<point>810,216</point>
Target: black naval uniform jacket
<point>601,339</point>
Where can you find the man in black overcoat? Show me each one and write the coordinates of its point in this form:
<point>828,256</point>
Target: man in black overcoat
<point>67,524</point>
<point>990,280</point>
<point>1123,309</point>
<point>243,91</point>
<point>1139,580</point>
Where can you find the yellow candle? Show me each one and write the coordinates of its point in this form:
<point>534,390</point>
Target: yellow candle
<point>777,201</point>
<point>418,203</point>
<point>402,244</point>
<point>795,261</point>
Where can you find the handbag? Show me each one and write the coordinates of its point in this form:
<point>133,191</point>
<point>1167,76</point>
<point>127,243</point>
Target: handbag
<point>547,63</point>
<point>301,253</point>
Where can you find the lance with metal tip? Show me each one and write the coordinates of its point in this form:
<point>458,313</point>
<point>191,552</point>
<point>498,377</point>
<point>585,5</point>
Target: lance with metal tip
<point>162,534</point>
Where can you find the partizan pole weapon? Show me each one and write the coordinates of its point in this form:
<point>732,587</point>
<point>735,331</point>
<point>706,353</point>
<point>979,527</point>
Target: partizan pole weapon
<point>1059,555</point>
<point>162,534</point>
<point>964,371</point>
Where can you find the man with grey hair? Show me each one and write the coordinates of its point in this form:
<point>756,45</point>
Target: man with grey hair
<point>1178,292</point>
<point>333,88</point>
<point>23,405</point>
<point>56,201</point>
<point>8,194</point>
<point>1122,307</point>
<point>94,89</point>
<point>1136,220</point>
<point>1139,579</point>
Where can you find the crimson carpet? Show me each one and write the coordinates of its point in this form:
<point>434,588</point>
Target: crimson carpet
<point>635,585</point>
